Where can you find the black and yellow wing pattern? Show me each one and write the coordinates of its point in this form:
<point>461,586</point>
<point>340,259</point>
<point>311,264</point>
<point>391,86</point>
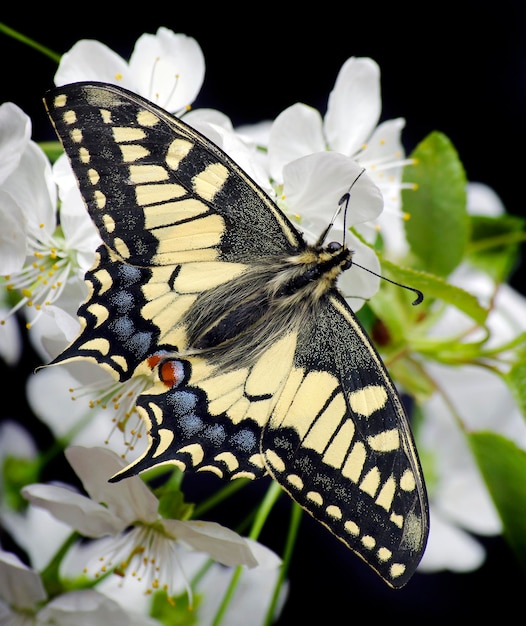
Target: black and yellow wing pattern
<point>258,365</point>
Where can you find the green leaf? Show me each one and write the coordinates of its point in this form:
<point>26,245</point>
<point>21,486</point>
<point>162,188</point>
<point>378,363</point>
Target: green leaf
<point>516,381</point>
<point>17,473</point>
<point>52,149</point>
<point>433,286</point>
<point>438,226</point>
<point>494,244</point>
<point>503,467</point>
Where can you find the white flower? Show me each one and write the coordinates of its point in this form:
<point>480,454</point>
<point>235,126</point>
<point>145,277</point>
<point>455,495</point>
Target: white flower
<point>251,597</point>
<point>470,398</point>
<point>21,588</point>
<point>313,187</point>
<point>143,545</point>
<point>166,68</point>
<point>22,594</point>
<point>45,261</point>
<point>349,128</point>
<point>99,409</point>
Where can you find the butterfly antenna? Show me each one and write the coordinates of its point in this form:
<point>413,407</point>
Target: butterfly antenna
<point>342,204</point>
<point>419,294</point>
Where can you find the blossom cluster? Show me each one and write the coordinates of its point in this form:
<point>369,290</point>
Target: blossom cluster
<point>457,356</point>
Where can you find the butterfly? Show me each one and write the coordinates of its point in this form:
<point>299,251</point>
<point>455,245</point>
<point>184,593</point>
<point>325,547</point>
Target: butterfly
<point>258,364</point>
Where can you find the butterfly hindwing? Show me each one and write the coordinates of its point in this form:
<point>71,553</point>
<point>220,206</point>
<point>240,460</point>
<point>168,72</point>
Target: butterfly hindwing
<point>339,444</point>
<point>257,364</point>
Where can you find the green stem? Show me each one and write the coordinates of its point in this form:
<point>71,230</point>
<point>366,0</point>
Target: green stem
<point>29,42</point>
<point>273,493</point>
<point>295,519</point>
<point>219,496</point>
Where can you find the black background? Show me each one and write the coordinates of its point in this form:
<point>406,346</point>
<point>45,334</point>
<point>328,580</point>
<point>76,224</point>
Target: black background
<point>455,67</point>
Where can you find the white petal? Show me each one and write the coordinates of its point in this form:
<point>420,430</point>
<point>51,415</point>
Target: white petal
<point>509,315</point>
<point>82,514</point>
<point>221,543</point>
<point>11,343</point>
<point>242,153</point>
<point>200,119</point>
<point>482,399</point>
<point>384,146</point>
<point>315,184</point>
<point>450,548</point>
<point>88,607</point>
<point>15,440</point>
<point>50,399</point>
<point>129,499</point>
<point>33,188</point>
<point>129,595</point>
<point>92,60</point>
<point>15,133</point>
<point>354,106</point>
<point>257,134</point>
<point>20,586</point>
<point>169,68</point>
<point>252,595</point>
<point>265,557</point>
<point>464,499</point>
<point>81,235</point>
<point>13,234</point>
<point>296,132</point>
<point>358,284</point>
<point>37,532</point>
<point>483,200</point>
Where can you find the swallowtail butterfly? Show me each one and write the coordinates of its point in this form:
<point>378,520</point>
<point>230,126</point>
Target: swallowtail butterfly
<point>259,366</point>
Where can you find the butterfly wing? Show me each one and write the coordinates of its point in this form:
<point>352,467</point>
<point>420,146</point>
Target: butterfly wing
<point>177,217</point>
<point>339,443</point>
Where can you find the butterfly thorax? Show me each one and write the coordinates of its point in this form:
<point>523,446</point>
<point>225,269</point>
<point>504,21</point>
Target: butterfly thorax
<point>250,312</point>
<point>312,272</point>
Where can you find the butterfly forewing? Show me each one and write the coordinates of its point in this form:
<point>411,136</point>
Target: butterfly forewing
<point>166,201</point>
<point>190,244</point>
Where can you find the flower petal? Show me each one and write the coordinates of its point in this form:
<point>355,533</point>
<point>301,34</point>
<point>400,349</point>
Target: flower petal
<point>359,284</point>
<point>483,200</point>
<point>37,532</point>
<point>450,548</point>
<point>20,586</point>
<point>92,60</point>
<point>315,184</point>
<point>169,68</point>
<point>32,187</point>
<point>15,133</point>
<point>130,499</point>
<point>296,132</point>
<point>83,514</point>
<point>354,105</point>
<point>13,235</point>
<point>252,595</point>
<point>87,607</point>
<point>221,543</point>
